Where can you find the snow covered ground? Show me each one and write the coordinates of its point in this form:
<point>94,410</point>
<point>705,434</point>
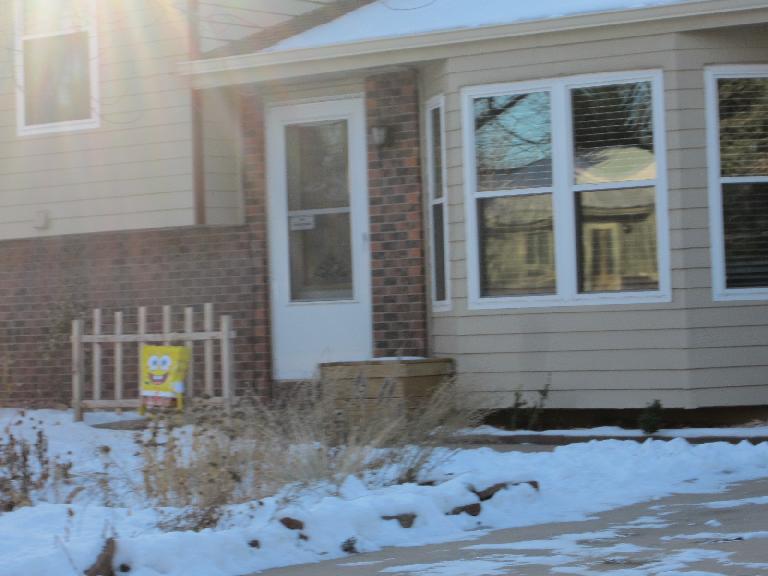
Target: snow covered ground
<point>575,481</point>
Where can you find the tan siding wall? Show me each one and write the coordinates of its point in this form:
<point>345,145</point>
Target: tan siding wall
<point>728,355</point>
<point>689,352</point>
<point>135,170</point>
<point>221,157</point>
<point>277,93</point>
<point>431,84</point>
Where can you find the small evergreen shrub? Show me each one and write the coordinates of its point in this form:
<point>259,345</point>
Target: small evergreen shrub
<point>650,418</point>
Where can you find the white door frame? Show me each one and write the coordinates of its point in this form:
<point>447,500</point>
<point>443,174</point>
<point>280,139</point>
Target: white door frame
<point>306,333</point>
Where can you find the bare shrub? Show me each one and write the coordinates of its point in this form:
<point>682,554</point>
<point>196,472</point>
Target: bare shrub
<point>207,458</point>
<point>26,467</point>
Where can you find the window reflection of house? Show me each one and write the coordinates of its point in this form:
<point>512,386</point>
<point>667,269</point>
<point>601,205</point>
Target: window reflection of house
<point>616,228</point>
<point>517,245</point>
<point>615,164</point>
<point>617,244</point>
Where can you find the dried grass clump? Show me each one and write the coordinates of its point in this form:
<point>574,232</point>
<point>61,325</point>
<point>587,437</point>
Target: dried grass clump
<point>207,458</point>
<point>26,467</point>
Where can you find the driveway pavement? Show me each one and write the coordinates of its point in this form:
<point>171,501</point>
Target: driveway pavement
<point>692,535</point>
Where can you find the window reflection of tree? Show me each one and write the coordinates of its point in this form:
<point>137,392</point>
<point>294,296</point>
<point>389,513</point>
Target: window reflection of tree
<point>513,140</point>
<point>317,154</point>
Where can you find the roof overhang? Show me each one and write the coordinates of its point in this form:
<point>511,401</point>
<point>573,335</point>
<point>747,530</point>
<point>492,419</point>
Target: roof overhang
<point>286,64</point>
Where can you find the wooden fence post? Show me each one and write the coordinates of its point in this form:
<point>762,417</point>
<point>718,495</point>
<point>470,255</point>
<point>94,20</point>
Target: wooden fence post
<point>118,357</point>
<point>227,359</point>
<point>189,328</point>
<point>78,369</point>
<point>208,349</point>
<point>142,329</point>
<point>166,324</point>
<point>96,357</point>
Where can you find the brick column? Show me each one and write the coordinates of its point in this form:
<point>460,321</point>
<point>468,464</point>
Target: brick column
<point>255,206</point>
<point>396,227</point>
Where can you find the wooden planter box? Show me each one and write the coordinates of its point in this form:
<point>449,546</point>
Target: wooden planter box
<point>407,382</point>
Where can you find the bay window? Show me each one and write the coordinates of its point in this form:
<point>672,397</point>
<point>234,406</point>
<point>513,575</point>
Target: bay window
<point>566,200</point>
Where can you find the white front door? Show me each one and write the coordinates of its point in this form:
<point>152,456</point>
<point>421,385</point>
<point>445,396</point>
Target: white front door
<point>318,236</point>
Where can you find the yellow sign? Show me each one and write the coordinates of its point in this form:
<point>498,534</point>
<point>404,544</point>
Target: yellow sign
<point>164,369</point>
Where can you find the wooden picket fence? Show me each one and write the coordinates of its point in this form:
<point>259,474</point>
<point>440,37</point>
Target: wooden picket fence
<point>117,339</point>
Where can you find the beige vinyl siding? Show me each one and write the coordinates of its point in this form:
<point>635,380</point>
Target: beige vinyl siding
<point>689,352</point>
<point>221,157</point>
<point>278,93</point>
<point>222,21</point>
<point>135,169</point>
<point>729,360</point>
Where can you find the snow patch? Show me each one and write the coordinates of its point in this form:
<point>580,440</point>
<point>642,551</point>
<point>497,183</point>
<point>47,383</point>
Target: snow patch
<point>576,481</point>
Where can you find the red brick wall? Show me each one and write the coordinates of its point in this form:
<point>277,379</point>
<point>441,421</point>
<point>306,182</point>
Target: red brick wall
<point>43,282</point>
<point>397,234</point>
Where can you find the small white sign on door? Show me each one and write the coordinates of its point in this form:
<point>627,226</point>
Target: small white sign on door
<point>301,222</point>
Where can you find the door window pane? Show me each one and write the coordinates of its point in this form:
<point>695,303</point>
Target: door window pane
<point>743,126</point>
<point>617,240</point>
<point>613,133</point>
<point>321,257</point>
<point>513,142</point>
<point>317,157</point>
<point>516,245</point>
<point>318,211</point>
<point>745,226</point>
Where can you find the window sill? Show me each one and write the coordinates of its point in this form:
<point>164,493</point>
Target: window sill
<point>559,302</point>
<point>59,127</point>
<point>741,294</point>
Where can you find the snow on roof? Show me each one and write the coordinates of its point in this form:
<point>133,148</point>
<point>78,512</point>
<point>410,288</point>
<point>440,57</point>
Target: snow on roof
<point>393,18</point>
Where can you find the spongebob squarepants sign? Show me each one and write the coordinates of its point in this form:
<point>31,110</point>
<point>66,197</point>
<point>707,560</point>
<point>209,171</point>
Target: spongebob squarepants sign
<point>164,369</point>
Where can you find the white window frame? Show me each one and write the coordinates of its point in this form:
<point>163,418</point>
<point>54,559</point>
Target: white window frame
<point>438,102</point>
<point>24,129</point>
<point>716,229</point>
<point>563,193</point>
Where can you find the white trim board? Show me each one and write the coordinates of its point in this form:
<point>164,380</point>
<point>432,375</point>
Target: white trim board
<point>438,102</point>
<point>308,332</point>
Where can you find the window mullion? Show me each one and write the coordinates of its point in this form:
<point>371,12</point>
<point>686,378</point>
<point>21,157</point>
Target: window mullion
<point>743,179</point>
<point>562,197</point>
